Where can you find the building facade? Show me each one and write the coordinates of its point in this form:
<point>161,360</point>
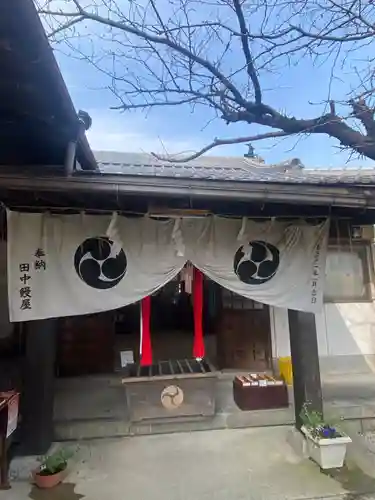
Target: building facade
<point>240,335</point>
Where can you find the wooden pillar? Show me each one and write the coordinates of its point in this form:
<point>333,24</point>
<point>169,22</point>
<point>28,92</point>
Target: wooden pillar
<point>305,360</point>
<point>38,387</point>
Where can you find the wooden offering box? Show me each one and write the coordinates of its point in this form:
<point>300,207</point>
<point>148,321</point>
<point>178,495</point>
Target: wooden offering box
<point>259,392</point>
<point>176,389</point>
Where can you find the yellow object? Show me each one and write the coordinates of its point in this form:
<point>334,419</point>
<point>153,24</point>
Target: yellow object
<point>286,369</point>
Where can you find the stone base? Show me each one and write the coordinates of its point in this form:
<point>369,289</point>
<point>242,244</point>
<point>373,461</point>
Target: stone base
<point>297,442</point>
<point>75,430</point>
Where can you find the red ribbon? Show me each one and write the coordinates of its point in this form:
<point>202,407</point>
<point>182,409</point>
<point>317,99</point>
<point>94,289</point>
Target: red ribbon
<point>146,347</point>
<point>198,349</point>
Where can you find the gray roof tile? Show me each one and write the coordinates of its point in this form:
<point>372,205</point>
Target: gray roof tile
<point>232,168</point>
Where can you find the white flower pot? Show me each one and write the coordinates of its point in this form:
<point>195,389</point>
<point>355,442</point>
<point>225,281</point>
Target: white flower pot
<point>327,453</point>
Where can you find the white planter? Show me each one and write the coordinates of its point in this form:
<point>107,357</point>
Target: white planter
<point>327,453</point>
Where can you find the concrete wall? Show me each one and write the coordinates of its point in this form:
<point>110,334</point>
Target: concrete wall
<point>346,337</point>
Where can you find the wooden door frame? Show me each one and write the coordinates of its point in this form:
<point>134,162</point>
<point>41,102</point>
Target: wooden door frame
<point>268,340</point>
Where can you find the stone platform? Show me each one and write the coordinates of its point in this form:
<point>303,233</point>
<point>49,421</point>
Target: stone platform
<point>95,407</point>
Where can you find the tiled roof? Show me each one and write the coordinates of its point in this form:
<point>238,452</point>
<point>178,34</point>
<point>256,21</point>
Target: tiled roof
<point>235,169</point>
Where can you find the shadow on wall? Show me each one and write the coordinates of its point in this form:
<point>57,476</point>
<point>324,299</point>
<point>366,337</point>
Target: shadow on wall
<point>350,338</point>
<point>6,328</point>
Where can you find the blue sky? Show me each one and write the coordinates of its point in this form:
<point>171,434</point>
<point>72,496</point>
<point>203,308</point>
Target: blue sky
<point>177,129</point>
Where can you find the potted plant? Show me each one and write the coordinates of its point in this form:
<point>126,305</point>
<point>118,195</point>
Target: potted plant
<point>52,468</point>
<point>326,445</point>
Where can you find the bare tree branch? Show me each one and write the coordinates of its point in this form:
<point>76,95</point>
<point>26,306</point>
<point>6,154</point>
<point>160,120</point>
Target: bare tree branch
<point>162,41</point>
<point>221,142</point>
<point>246,50</point>
<point>65,26</point>
<point>78,5</point>
<point>173,55</point>
<point>58,13</point>
<point>365,114</point>
<point>125,107</point>
<point>331,38</point>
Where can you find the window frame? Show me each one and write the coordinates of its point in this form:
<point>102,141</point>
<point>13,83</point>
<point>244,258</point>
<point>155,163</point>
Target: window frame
<point>363,249</point>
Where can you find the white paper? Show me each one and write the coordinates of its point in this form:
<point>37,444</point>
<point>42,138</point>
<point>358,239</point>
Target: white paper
<point>127,358</point>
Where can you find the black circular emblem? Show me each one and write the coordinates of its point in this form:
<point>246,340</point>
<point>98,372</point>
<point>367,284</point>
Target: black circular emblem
<point>100,263</point>
<point>256,262</point>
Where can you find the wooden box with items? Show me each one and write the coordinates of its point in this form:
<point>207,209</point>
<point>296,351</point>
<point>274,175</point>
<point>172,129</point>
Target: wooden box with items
<point>259,392</point>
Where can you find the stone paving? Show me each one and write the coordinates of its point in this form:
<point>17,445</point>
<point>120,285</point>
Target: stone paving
<point>243,464</point>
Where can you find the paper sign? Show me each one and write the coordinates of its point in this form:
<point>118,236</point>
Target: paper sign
<point>127,358</point>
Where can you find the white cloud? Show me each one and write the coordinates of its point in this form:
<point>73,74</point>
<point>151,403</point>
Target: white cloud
<point>113,131</point>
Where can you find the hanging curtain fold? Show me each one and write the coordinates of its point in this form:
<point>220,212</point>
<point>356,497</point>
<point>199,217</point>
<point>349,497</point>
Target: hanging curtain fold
<point>84,265</point>
<point>279,263</point>
<point>66,265</point>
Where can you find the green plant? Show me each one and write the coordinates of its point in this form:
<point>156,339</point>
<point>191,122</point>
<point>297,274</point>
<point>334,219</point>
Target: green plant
<point>316,425</point>
<point>55,462</point>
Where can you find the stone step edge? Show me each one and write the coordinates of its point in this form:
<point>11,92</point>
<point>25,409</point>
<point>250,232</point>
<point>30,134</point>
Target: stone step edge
<point>111,427</point>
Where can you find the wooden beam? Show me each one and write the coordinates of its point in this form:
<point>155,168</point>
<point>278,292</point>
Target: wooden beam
<point>305,360</point>
<point>38,391</point>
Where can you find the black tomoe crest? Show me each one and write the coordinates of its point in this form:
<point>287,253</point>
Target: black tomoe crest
<point>256,262</point>
<point>100,263</point>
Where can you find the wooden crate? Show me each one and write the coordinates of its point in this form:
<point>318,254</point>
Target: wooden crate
<point>180,390</point>
<point>258,396</point>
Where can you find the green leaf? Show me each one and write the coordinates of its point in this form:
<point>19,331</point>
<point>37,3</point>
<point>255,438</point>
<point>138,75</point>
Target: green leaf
<point>56,462</point>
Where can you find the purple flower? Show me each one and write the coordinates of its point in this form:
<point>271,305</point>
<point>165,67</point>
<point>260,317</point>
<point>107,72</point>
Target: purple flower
<point>328,432</point>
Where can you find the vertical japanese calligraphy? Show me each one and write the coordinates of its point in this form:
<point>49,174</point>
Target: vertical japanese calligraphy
<point>315,275</point>
<point>40,262</point>
<point>25,288</point>
<point>25,270</point>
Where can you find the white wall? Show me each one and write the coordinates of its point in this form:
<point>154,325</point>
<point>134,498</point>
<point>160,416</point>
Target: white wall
<point>279,332</point>
<point>346,336</point>
<point>350,329</point>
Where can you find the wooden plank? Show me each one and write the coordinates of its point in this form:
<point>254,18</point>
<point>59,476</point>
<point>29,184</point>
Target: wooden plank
<point>305,360</point>
<point>37,416</point>
<point>183,370</point>
<point>189,366</point>
<point>177,376</point>
<point>171,367</point>
<point>180,366</point>
<point>201,367</point>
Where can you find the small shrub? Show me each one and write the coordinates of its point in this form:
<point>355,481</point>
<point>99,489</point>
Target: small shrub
<point>316,425</point>
<point>55,462</point>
